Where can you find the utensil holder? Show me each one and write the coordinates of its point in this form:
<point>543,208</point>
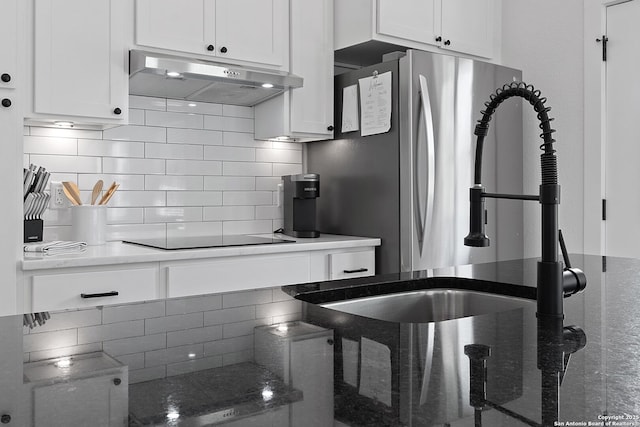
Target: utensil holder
<point>33,230</point>
<point>89,224</point>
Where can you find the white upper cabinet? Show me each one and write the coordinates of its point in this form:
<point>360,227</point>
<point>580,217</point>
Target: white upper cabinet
<point>8,48</point>
<point>464,26</point>
<point>244,30</point>
<point>305,113</point>
<point>80,60</point>
<point>408,19</point>
<point>467,26</point>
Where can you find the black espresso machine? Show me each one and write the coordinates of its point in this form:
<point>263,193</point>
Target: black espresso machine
<point>300,194</point>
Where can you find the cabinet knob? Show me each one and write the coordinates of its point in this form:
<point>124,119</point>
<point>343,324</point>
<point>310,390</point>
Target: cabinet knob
<point>438,39</point>
<point>210,48</point>
<point>330,341</point>
<point>117,111</point>
<point>117,381</point>
<point>5,419</point>
<point>330,127</point>
<point>223,49</point>
<point>447,42</point>
<point>6,102</point>
<point>5,77</point>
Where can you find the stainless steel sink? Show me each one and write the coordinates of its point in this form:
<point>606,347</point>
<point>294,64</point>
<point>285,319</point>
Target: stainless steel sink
<point>429,305</point>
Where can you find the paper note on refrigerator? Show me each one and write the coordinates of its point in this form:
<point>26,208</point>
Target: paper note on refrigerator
<point>375,371</point>
<point>375,104</point>
<point>350,109</point>
<point>350,350</point>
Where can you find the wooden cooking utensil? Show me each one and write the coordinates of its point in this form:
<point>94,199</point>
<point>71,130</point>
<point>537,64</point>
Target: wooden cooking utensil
<point>72,192</point>
<point>109,193</point>
<point>97,188</point>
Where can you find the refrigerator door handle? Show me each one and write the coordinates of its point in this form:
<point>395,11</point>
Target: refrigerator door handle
<point>424,223</point>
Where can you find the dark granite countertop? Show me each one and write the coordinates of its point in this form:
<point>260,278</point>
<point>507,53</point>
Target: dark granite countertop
<point>419,374</point>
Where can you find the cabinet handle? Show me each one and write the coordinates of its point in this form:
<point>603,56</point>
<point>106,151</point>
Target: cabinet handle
<point>438,39</point>
<point>5,419</point>
<point>5,77</point>
<point>6,102</point>
<point>117,381</point>
<point>223,49</point>
<point>330,341</point>
<point>357,270</point>
<point>329,128</point>
<point>447,42</point>
<point>210,48</point>
<point>104,294</point>
<point>117,111</point>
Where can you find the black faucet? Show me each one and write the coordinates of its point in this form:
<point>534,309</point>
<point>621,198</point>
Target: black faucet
<point>554,281</point>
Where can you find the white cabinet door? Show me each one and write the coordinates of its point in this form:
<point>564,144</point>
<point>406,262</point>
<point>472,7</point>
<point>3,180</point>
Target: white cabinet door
<point>252,30</point>
<point>185,26</point>
<point>467,26</point>
<point>312,59</point>
<point>8,48</point>
<point>409,19</point>
<point>80,59</point>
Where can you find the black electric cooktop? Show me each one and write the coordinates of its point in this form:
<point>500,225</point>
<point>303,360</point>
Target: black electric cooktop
<point>197,242</point>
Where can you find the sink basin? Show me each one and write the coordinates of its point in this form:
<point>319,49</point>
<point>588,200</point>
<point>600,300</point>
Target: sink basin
<point>429,305</point>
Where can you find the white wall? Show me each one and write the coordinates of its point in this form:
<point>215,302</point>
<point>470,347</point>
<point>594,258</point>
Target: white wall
<point>545,39</point>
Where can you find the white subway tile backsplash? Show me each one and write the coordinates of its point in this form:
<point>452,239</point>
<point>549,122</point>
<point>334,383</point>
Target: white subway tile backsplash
<point>181,106</point>
<point>172,214</point>
<point>127,182</point>
<point>228,213</point>
<point>247,169</point>
<point>237,111</point>
<point>194,304</point>
<point>50,145</point>
<point>238,183</point>
<point>128,199</point>
<point>230,345</point>
<point>173,182</point>
<point>193,167</point>
<point>136,117</point>
<point>286,318</point>
<point>247,227</point>
<point>278,156</point>
<point>194,198</point>
<point>235,154</point>
<point>119,347</point>
<point>173,323</point>
<point>133,166</point>
<point>172,355</point>
<point>231,124</point>
<point>136,133</point>
<point>133,361</point>
<point>57,217</point>
<point>173,151</point>
<point>130,231</point>
<point>240,139</point>
<point>278,308</point>
<point>173,120</point>
<point>57,232</point>
<point>107,148</point>
<point>194,229</point>
<point>243,198</point>
<point>229,315</point>
<point>147,103</point>
<point>194,336</point>
<point>66,133</point>
<point>280,169</point>
<point>147,374</point>
<point>125,216</point>
<point>238,357</point>
<point>194,136</point>
<point>122,313</point>
<point>268,183</point>
<point>71,319</point>
<point>238,299</point>
<point>111,331</point>
<point>64,351</point>
<point>231,330</point>
<point>50,340</point>
<point>269,212</point>
<point>194,365</point>
<point>74,164</point>
<point>284,145</point>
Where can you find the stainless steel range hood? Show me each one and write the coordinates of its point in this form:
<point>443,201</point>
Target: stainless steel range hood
<point>175,77</point>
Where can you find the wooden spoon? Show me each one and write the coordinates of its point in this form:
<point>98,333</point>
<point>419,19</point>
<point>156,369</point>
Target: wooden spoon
<point>97,188</point>
<point>72,192</point>
<point>109,193</point>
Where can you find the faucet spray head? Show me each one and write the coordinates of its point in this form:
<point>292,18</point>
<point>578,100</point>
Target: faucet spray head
<point>477,214</point>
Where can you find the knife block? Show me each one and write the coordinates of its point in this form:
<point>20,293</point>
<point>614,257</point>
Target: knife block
<point>33,230</point>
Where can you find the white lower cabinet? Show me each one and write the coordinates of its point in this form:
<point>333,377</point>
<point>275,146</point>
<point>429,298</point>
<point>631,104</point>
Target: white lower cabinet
<point>351,264</point>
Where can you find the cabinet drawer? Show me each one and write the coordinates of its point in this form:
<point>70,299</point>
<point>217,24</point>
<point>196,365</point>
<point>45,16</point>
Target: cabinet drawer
<point>62,291</point>
<point>351,264</point>
<point>236,274</point>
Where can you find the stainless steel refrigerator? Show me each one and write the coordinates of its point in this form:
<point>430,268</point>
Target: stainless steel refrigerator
<point>410,185</point>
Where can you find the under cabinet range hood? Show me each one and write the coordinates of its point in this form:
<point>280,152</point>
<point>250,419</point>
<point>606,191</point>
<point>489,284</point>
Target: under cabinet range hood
<point>176,77</point>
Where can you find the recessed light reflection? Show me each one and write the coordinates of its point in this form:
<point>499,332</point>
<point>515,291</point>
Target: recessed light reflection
<point>267,85</point>
<point>267,394</point>
<point>192,104</point>
<point>173,415</point>
<point>63,124</point>
<point>192,355</point>
<point>173,74</point>
<point>63,363</point>
<point>282,328</point>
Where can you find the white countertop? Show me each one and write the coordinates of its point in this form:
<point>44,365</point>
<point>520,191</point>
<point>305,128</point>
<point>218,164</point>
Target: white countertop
<point>125,253</point>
